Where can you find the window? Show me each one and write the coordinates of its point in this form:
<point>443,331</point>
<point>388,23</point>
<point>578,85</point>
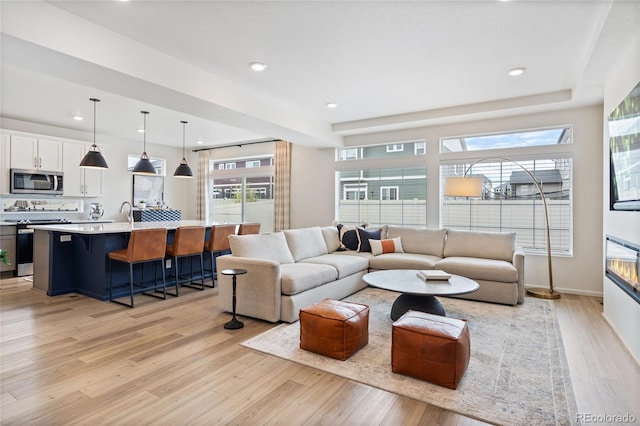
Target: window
<point>348,154</point>
<point>158,163</point>
<point>420,148</point>
<point>395,148</point>
<point>395,196</point>
<point>521,139</point>
<point>510,202</point>
<point>243,193</point>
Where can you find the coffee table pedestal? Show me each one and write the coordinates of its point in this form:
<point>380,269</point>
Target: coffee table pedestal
<point>423,303</point>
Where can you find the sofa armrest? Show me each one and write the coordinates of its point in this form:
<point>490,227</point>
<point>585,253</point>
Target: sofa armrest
<point>518,262</point>
<point>258,292</point>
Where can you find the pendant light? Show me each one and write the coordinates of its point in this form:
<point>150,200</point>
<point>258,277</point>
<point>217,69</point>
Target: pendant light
<point>93,159</point>
<point>183,170</point>
<point>144,166</point>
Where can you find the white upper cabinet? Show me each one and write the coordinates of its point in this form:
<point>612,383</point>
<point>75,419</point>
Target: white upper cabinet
<point>36,154</point>
<point>4,163</point>
<point>79,182</point>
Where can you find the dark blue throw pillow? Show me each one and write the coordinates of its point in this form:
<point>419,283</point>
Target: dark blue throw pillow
<point>348,238</point>
<point>364,236</point>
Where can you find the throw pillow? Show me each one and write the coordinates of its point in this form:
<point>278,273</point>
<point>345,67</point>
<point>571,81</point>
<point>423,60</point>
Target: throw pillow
<point>391,245</point>
<point>364,236</point>
<point>348,238</point>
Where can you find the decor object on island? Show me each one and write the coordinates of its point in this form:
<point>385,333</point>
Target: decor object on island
<point>183,170</point>
<point>463,186</point>
<point>144,166</point>
<point>93,158</point>
<point>503,384</point>
<point>142,204</point>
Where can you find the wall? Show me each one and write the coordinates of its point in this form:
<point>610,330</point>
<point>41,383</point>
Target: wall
<point>117,182</point>
<point>620,310</point>
<point>578,274</point>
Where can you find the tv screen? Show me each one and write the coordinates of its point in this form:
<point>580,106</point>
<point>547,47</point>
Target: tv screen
<point>624,152</point>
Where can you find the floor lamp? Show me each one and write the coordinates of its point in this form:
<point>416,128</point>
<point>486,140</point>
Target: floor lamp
<point>463,186</point>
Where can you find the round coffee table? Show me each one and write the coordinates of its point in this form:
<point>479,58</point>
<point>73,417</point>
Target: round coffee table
<point>418,294</point>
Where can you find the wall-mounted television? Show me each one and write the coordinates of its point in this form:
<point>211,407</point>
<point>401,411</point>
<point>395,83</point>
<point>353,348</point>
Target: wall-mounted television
<point>624,153</point>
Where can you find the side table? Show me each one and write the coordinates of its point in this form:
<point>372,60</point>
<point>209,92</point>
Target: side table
<point>234,324</point>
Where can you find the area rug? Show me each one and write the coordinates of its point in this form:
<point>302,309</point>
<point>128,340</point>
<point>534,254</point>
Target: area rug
<point>517,374</point>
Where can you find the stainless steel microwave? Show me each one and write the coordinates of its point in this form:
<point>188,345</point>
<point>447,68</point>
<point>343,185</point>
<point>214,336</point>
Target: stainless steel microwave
<point>36,182</point>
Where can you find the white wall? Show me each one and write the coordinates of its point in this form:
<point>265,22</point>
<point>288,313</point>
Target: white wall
<point>117,182</point>
<point>620,310</point>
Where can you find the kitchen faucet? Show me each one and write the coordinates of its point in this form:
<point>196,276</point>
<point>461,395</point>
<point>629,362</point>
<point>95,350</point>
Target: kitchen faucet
<point>130,214</point>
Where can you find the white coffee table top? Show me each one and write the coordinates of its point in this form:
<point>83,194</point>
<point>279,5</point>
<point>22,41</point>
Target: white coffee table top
<point>405,281</point>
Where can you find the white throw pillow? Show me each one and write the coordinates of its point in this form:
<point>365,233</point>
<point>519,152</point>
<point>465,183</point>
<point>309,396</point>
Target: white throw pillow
<point>391,245</point>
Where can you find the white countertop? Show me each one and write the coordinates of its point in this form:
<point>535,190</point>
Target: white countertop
<point>116,227</point>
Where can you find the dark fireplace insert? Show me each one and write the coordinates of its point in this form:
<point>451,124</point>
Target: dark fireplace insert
<point>623,264</point>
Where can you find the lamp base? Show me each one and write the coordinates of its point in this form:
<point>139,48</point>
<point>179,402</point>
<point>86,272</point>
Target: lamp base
<point>543,293</point>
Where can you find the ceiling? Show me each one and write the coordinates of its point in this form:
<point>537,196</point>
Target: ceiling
<point>387,64</point>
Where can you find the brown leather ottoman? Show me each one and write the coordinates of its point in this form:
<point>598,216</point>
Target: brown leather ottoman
<point>334,328</point>
<point>430,347</point>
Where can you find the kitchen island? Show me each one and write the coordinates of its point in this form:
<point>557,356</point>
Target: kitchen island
<point>74,257</point>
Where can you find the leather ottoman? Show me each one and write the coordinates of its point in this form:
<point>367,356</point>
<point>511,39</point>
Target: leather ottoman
<point>430,347</point>
<point>334,328</point>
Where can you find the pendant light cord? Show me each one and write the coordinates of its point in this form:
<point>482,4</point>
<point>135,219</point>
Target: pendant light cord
<point>183,143</point>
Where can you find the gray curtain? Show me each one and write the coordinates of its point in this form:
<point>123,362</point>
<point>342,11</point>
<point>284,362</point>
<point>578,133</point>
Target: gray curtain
<point>282,186</point>
<point>203,201</point>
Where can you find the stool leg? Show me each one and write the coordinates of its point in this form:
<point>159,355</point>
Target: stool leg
<point>202,270</point>
<point>110,280</point>
<point>131,281</point>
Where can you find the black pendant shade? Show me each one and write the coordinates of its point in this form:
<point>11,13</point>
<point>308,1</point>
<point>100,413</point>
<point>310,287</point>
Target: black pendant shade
<point>183,170</point>
<point>94,159</point>
<point>144,165</point>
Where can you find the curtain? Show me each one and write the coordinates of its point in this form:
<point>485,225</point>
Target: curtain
<point>202,191</point>
<point>281,198</point>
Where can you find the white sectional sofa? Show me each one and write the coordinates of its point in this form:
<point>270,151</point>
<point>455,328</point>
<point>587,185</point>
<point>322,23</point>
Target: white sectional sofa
<point>291,269</point>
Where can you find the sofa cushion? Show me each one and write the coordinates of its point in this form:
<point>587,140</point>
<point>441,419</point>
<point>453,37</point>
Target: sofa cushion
<point>331,238</point>
<point>345,265</point>
<point>348,237</point>
<point>403,261</point>
<point>305,242</point>
<point>420,240</point>
<point>390,245</point>
<point>261,246</point>
<point>298,277</point>
<point>484,245</point>
<point>364,236</point>
<point>479,269</point>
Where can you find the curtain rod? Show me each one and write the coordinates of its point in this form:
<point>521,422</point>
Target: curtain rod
<point>239,145</point>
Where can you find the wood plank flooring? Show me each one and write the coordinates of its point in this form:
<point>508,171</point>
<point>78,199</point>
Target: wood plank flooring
<point>73,360</point>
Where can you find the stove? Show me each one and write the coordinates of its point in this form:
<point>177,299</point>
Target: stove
<point>24,242</point>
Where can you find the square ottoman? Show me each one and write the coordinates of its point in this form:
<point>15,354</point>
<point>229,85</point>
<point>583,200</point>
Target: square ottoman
<point>430,347</point>
<point>334,328</point>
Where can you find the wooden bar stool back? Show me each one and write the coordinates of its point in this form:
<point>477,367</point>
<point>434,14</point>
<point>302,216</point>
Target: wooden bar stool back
<point>187,242</point>
<point>218,243</point>
<point>248,228</point>
<point>145,245</point>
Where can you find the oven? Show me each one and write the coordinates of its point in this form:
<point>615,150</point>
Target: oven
<point>24,243</point>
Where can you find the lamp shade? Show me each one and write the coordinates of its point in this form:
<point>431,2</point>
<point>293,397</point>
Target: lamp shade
<point>183,170</point>
<point>456,186</point>
<point>144,166</point>
<point>94,159</point>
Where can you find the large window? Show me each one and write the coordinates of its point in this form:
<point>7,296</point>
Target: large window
<point>510,200</point>
<point>243,192</point>
<point>390,151</point>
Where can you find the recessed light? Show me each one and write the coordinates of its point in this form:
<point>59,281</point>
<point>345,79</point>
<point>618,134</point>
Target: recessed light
<point>78,117</point>
<point>258,66</point>
<point>140,130</point>
<point>331,104</point>
<point>199,142</point>
<point>516,71</point>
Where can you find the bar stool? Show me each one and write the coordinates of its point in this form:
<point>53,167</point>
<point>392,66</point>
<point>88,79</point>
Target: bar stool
<point>145,245</point>
<point>248,228</point>
<point>187,242</point>
<point>218,243</point>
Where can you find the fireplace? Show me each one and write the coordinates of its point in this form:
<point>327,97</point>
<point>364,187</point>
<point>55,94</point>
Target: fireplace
<point>623,265</point>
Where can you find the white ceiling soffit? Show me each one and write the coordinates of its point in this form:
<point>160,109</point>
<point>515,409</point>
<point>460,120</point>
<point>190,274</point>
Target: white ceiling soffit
<point>388,64</point>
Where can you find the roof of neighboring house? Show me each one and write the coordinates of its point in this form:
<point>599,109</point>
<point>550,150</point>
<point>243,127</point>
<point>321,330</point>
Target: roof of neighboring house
<point>520,177</point>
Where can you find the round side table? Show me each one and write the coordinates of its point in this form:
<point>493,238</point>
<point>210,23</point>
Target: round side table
<point>234,324</point>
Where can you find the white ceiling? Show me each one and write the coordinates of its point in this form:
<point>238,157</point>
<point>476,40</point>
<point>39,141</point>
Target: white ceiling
<point>388,64</point>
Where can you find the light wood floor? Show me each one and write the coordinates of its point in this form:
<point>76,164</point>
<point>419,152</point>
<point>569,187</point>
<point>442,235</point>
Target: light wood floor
<point>74,360</point>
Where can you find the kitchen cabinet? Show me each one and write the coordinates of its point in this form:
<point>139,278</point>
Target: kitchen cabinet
<point>4,163</point>
<point>78,181</point>
<point>33,153</point>
<point>8,243</point>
